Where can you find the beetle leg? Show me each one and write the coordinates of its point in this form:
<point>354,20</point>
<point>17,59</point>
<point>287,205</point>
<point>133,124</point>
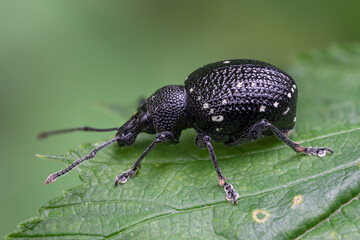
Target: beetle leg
<point>320,152</point>
<point>92,154</point>
<point>161,137</point>
<point>263,125</point>
<point>203,140</point>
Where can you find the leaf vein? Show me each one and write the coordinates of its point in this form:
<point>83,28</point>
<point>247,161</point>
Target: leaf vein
<point>328,217</point>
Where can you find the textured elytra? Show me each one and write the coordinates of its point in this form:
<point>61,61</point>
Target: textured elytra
<point>225,98</point>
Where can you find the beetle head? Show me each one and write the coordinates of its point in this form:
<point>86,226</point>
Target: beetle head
<point>140,121</point>
<point>165,110</point>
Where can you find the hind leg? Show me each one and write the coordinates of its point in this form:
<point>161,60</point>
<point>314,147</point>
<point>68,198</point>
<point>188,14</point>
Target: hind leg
<point>255,132</point>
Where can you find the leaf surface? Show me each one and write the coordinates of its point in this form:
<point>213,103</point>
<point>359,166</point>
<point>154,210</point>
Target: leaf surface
<point>176,193</point>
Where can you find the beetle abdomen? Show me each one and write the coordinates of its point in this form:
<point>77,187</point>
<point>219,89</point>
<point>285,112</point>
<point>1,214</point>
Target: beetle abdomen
<point>227,97</point>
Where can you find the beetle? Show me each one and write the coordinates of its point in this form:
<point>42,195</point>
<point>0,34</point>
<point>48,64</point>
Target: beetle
<point>233,102</point>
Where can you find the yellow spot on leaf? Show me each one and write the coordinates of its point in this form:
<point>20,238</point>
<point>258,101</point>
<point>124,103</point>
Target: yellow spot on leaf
<point>179,179</point>
<point>298,199</point>
<point>260,216</point>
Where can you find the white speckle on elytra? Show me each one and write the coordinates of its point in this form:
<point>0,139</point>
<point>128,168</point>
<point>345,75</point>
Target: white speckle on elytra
<point>262,108</point>
<point>217,129</point>
<point>186,78</point>
<point>276,104</point>
<point>239,85</point>
<point>224,101</point>
<point>226,62</point>
<point>199,97</point>
<point>294,119</point>
<point>211,110</point>
<point>292,90</point>
<point>218,118</point>
<point>294,86</point>
<point>253,84</point>
<point>191,90</point>
<point>205,105</point>
<point>287,110</point>
<point>289,95</point>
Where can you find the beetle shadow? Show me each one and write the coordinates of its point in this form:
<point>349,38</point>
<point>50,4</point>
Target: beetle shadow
<point>186,150</point>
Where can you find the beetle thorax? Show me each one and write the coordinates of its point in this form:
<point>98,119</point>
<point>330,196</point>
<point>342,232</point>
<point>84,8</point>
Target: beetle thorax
<point>167,109</point>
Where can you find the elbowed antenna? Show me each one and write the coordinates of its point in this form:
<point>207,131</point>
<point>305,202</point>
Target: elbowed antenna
<point>87,129</point>
<point>54,176</point>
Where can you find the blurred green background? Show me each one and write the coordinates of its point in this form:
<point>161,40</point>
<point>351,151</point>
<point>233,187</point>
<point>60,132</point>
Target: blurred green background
<point>59,59</point>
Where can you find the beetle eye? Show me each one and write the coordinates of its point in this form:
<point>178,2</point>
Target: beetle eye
<point>143,121</point>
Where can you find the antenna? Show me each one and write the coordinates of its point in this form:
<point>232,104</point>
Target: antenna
<point>87,129</point>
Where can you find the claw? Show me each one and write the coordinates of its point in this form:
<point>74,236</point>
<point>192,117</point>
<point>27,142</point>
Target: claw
<point>123,178</point>
<point>320,152</point>
<point>329,150</point>
<point>231,194</point>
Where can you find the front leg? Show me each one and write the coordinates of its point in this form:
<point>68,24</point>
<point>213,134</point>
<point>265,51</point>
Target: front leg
<point>202,141</point>
<point>161,137</point>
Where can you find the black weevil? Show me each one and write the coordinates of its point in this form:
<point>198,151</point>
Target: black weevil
<point>233,102</point>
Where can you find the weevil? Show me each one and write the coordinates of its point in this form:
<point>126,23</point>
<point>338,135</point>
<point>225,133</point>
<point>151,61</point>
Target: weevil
<point>233,102</point>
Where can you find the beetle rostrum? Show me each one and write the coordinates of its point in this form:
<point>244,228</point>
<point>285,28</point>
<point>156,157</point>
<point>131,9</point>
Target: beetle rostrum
<point>233,102</point>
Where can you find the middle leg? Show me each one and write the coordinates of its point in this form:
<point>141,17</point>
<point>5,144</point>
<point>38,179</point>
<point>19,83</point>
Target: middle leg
<point>202,141</point>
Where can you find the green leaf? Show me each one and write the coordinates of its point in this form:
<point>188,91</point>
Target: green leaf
<point>176,193</point>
